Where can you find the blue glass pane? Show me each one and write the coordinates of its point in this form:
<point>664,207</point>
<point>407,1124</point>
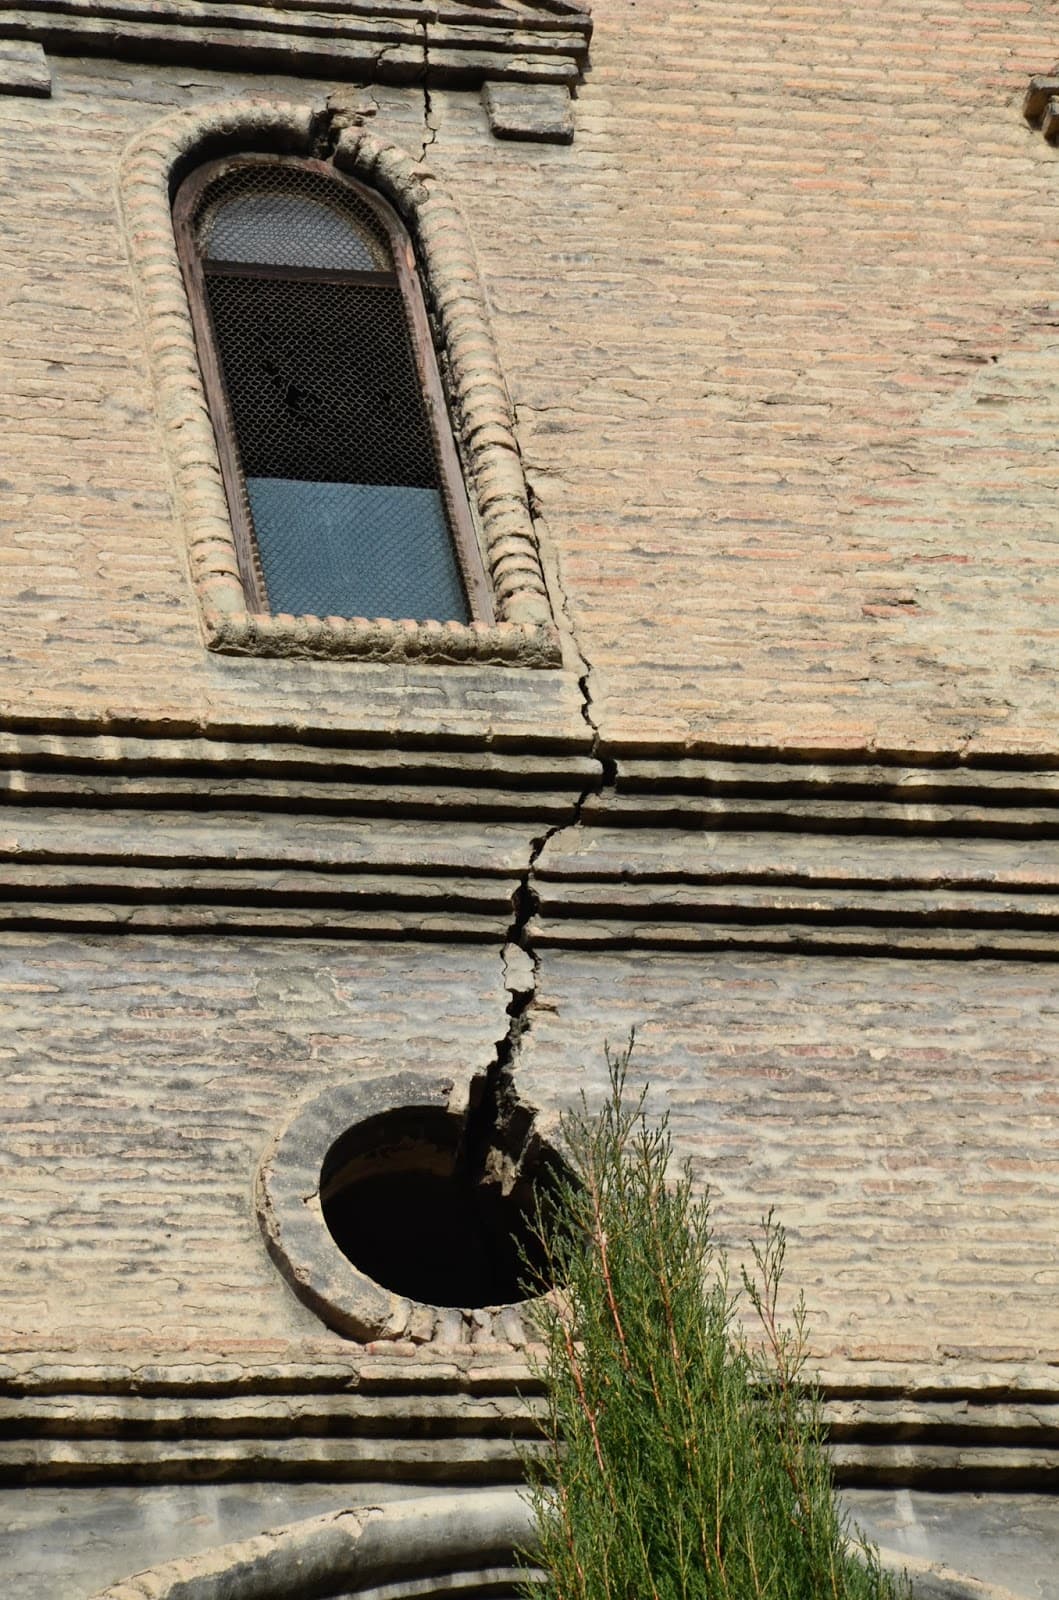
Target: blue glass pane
<point>356,550</point>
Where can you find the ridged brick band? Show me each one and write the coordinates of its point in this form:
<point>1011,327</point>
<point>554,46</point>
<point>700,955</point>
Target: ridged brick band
<point>524,634</point>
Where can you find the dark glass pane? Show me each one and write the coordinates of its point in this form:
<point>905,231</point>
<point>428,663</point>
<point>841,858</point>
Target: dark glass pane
<point>322,381</point>
<point>356,550</point>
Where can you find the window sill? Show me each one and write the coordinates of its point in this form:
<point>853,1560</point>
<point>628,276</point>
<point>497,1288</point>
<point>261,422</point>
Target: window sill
<point>514,644</point>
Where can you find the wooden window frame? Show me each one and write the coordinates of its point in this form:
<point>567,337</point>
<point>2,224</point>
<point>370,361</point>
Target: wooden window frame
<point>465,542</point>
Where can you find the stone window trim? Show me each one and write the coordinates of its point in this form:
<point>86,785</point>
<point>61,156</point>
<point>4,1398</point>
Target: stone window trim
<point>524,633</point>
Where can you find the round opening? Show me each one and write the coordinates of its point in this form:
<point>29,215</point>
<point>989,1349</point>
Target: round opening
<point>406,1204</point>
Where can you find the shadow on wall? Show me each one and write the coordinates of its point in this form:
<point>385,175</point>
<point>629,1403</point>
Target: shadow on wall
<point>434,1544</point>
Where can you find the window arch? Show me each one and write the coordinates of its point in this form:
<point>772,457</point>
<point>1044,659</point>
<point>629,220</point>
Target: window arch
<point>341,472</point>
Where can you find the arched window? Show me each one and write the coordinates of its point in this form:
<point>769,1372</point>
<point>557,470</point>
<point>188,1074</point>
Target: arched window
<point>342,476</point>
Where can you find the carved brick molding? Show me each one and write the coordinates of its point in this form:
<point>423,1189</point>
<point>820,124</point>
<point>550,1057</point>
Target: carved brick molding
<point>524,634</point>
<point>466,1411</point>
<point>384,41</point>
<point>679,854</point>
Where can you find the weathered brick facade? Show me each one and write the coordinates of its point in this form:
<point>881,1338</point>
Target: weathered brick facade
<point>762,758</point>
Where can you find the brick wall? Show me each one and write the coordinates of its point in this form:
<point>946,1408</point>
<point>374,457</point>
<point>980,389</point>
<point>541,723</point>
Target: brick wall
<point>778,326</point>
<point>143,1081</point>
<point>900,1116</point>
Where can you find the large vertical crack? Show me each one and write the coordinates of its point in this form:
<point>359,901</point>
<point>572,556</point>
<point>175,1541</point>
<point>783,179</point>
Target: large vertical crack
<point>325,128</point>
<point>493,1105</point>
<point>496,1120</point>
<point>430,131</point>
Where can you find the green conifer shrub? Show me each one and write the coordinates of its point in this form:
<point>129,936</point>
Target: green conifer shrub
<point>681,1462</point>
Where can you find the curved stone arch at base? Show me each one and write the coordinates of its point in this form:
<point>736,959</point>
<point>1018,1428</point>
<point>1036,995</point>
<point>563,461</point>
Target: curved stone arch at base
<point>932,1580</point>
<point>472,1537</point>
<point>425,1544</point>
<point>152,167</point>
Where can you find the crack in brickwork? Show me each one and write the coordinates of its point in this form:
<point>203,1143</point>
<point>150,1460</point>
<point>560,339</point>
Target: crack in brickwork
<point>499,1096</point>
<point>430,127</point>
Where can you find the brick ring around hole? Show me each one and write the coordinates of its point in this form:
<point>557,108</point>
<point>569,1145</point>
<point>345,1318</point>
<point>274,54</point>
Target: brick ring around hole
<point>380,1199</point>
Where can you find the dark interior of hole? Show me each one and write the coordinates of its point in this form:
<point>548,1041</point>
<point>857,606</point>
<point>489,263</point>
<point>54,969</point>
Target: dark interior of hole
<point>436,1235</point>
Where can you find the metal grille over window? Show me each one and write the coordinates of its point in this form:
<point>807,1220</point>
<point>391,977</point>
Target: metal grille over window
<point>332,405</point>
<point>290,217</point>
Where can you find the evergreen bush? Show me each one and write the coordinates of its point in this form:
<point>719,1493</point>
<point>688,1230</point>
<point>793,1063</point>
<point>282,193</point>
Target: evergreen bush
<point>681,1462</point>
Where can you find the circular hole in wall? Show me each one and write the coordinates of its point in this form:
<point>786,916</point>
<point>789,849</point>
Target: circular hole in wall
<point>406,1204</point>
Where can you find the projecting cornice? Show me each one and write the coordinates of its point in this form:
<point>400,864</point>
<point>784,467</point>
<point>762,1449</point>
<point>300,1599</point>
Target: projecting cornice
<point>436,42</point>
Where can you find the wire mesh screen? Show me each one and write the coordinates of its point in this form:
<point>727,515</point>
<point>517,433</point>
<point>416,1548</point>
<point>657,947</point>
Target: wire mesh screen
<point>322,380</point>
<point>275,215</point>
<point>337,447</point>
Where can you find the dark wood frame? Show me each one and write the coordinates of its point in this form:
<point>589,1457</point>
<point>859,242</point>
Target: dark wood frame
<point>458,514</point>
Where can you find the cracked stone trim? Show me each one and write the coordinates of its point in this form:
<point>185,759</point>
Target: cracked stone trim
<point>525,634</point>
<point>544,42</point>
<point>24,68</point>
